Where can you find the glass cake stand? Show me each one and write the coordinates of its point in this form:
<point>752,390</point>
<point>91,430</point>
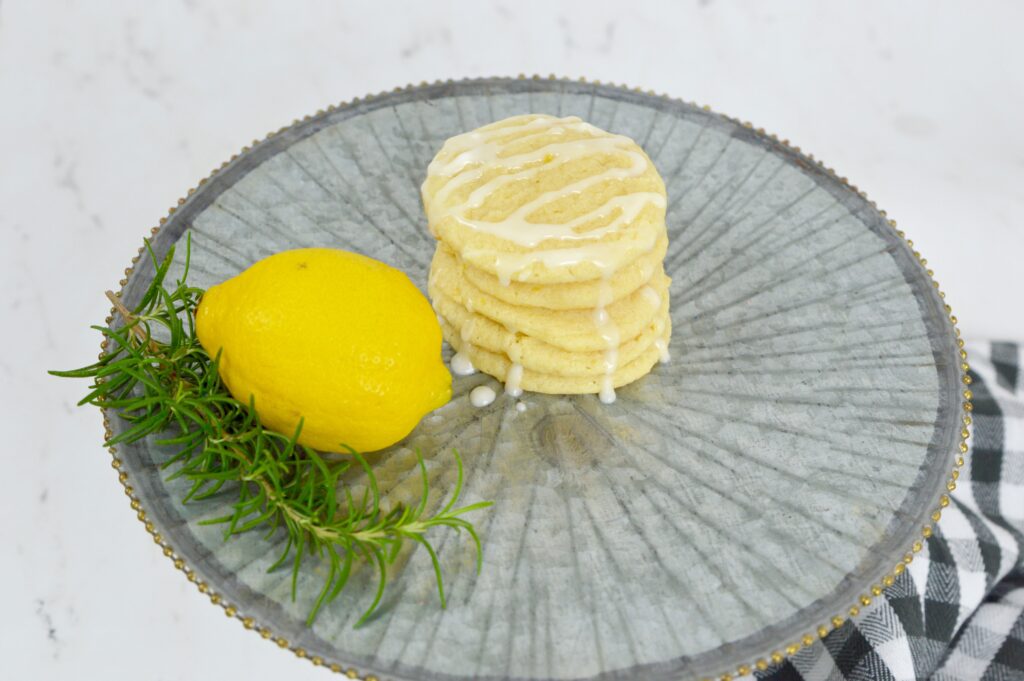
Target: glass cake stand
<point>729,508</point>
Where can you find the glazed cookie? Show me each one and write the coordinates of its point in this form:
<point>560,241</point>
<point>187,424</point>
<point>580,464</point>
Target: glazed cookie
<point>499,366</point>
<point>578,330</point>
<point>571,295</point>
<point>549,271</point>
<point>538,356</point>
<point>545,200</point>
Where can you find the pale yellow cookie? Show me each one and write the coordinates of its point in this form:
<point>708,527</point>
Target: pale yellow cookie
<point>536,355</point>
<point>572,295</point>
<point>545,200</point>
<point>497,365</point>
<point>576,330</point>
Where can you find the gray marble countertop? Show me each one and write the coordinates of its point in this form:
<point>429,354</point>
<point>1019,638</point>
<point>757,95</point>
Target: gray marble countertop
<point>111,112</point>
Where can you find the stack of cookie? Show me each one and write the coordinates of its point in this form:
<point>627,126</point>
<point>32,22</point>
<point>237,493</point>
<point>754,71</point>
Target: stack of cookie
<point>548,271</point>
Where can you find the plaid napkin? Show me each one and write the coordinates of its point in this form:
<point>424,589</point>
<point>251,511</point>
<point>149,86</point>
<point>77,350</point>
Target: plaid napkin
<point>957,612</point>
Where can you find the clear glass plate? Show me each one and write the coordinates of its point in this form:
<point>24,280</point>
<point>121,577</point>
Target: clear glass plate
<point>725,506</point>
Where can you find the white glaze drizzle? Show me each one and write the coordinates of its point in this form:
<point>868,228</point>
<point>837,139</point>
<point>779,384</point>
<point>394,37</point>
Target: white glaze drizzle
<point>481,396</point>
<point>512,380</point>
<point>661,343</point>
<point>651,296</point>
<point>483,148</point>
<point>513,350</point>
<point>607,394</point>
<point>462,365</point>
<point>467,329</point>
<point>662,346</point>
<point>508,266</point>
<point>609,332</point>
<point>611,360</point>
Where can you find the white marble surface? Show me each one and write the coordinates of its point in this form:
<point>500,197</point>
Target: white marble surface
<point>111,111</point>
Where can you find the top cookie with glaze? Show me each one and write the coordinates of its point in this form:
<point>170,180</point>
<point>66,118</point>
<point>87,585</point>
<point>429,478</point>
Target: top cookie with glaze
<point>545,200</point>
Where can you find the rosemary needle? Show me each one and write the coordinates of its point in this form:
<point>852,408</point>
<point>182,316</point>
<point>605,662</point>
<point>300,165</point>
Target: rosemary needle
<point>162,382</point>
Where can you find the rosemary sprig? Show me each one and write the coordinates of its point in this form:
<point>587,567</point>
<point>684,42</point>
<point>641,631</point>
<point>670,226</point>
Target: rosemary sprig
<point>162,382</point>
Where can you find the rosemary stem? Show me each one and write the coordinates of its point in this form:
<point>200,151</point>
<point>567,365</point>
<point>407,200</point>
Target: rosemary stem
<point>130,323</point>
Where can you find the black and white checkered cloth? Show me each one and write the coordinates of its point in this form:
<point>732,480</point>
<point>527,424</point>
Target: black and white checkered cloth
<point>957,612</point>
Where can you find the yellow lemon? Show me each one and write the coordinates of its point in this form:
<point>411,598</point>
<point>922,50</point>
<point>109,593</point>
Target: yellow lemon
<point>343,342</point>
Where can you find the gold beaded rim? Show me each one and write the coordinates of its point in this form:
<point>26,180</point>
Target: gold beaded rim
<point>776,656</point>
